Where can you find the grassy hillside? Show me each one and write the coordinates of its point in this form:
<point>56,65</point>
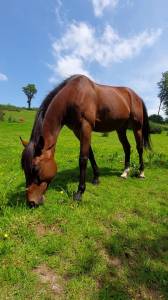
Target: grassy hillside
<point>113,245</point>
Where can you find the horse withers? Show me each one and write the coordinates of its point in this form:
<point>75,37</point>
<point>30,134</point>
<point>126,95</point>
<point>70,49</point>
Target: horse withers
<point>84,106</point>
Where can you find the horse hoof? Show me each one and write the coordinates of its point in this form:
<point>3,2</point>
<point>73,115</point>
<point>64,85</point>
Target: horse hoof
<point>141,176</point>
<point>124,176</point>
<point>95,181</point>
<point>77,196</point>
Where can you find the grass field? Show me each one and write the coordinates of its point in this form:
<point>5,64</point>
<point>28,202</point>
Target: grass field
<point>113,245</point>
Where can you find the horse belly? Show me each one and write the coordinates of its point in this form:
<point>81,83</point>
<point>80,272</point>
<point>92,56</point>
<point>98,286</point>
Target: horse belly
<point>109,119</point>
<point>109,125</point>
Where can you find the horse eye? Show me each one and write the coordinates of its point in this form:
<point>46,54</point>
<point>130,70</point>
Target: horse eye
<point>37,180</point>
<point>35,169</point>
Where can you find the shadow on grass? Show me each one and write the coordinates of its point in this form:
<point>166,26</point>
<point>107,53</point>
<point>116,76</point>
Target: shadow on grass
<point>142,272</point>
<point>63,178</point>
<point>17,198</point>
<point>113,290</point>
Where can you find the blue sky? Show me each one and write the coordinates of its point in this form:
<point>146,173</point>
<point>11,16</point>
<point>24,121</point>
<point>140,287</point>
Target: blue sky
<point>117,42</point>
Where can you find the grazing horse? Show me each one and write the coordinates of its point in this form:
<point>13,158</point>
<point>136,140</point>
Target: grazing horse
<point>84,106</point>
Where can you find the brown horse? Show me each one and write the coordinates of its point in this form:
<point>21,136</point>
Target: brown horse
<point>84,106</point>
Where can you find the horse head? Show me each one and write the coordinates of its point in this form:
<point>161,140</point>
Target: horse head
<point>39,167</point>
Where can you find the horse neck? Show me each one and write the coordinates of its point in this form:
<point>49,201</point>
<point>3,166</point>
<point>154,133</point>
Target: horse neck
<point>53,121</point>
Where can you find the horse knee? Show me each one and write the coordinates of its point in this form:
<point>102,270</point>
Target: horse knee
<point>83,161</point>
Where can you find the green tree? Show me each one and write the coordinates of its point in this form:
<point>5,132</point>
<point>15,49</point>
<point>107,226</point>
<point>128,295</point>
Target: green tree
<point>29,90</point>
<point>163,92</point>
<point>156,119</point>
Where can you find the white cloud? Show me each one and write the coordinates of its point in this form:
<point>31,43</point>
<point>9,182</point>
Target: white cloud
<point>81,45</point>
<point>78,38</point>
<point>66,66</point>
<point>113,48</point>
<point>3,77</point>
<point>60,18</point>
<point>100,5</point>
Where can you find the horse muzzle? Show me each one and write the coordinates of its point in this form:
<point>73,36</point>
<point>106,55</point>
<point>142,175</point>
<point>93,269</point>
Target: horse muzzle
<point>34,194</point>
<point>37,203</point>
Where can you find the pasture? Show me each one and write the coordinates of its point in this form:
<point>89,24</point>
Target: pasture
<point>112,245</point>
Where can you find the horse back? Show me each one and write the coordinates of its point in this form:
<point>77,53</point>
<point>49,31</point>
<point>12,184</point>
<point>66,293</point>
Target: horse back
<point>105,107</point>
<point>116,107</point>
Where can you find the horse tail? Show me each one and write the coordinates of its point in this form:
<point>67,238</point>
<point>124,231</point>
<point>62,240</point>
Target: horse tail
<point>146,128</point>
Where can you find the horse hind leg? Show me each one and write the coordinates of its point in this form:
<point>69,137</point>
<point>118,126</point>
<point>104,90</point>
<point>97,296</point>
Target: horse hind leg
<point>126,146</point>
<point>139,144</point>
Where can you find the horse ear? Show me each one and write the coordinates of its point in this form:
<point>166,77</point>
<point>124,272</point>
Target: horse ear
<point>24,143</point>
<point>39,146</point>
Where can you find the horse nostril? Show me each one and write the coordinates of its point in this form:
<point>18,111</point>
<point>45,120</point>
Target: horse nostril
<point>32,204</point>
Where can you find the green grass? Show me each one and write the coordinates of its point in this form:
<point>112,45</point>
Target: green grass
<point>113,245</point>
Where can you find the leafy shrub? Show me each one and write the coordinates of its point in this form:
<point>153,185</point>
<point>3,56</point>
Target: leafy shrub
<point>155,128</point>
<point>156,159</point>
<point>156,119</point>
<point>11,120</point>
<point>9,107</point>
<point>2,115</point>
<point>164,127</point>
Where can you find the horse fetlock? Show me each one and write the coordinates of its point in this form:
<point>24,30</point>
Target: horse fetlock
<point>125,173</point>
<point>95,181</point>
<point>141,174</point>
<point>77,196</point>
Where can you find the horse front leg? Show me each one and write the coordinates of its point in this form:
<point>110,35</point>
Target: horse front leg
<point>94,165</point>
<point>85,140</point>
<point>95,168</point>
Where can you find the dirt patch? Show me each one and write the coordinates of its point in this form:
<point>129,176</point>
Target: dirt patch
<point>115,261</point>
<point>42,230</point>
<point>48,276</point>
<point>119,217</point>
<point>55,228</point>
<point>148,294</point>
<point>111,261</point>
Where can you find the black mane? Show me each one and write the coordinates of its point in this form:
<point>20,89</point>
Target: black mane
<point>29,151</point>
<point>37,128</point>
